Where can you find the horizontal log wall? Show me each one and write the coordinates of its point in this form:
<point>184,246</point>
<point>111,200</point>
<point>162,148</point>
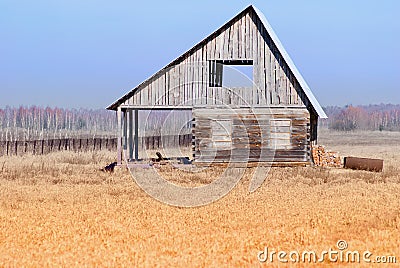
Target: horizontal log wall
<point>186,83</point>
<point>38,147</point>
<point>244,135</point>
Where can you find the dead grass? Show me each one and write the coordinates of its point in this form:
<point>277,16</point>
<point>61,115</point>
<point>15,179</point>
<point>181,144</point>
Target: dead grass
<point>60,210</point>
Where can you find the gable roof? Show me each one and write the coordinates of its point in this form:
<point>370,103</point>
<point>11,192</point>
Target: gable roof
<point>317,107</point>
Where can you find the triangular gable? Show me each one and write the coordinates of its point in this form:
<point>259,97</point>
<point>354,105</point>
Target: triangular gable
<point>306,89</point>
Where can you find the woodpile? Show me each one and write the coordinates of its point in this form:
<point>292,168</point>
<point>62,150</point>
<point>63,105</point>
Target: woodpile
<point>324,158</point>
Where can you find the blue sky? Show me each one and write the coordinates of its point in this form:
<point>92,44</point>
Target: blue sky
<point>89,53</point>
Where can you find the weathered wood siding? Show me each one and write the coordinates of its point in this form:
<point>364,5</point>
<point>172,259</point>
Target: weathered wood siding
<point>186,83</point>
<point>249,135</point>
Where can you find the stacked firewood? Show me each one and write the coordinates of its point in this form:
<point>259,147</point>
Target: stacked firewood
<point>324,158</point>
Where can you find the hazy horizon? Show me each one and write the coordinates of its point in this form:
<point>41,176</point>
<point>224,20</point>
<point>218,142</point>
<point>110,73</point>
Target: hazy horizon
<point>88,54</point>
<point>104,108</point>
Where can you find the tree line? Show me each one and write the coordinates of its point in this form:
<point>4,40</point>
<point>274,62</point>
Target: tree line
<point>35,122</point>
<point>43,123</point>
<point>363,117</point>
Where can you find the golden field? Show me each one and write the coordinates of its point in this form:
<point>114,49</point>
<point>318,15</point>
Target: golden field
<point>60,210</point>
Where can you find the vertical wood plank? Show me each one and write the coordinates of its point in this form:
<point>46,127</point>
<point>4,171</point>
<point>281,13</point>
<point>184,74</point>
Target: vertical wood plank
<point>159,80</point>
<point>231,41</point>
<point>154,89</point>
<point>157,91</point>
<point>135,97</point>
<point>195,74</point>
<point>173,85</point>
<point>256,60</point>
<point>179,94</point>
<point>149,93</point>
<point>275,82</point>
<point>177,85</point>
<point>143,95</point>
<point>119,139</point>
<point>136,134</point>
<point>286,88</point>
<point>228,43</point>
<point>247,37</point>
<point>130,100</point>
<point>217,46</point>
<point>225,44</point>
<point>263,67</point>
<point>168,86</point>
<point>267,72</point>
<point>186,86</point>
<point>204,72</point>
<point>192,77</point>
<point>198,64</point>
<point>196,77</point>
<point>240,38</point>
<point>125,130</point>
<point>199,55</point>
<point>279,77</point>
<point>195,94</point>
<point>130,134</point>
<point>162,89</point>
<point>146,92</point>
<point>211,49</point>
<point>251,32</point>
<point>272,75</point>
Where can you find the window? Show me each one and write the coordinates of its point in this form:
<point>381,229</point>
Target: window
<point>280,133</point>
<point>222,134</point>
<point>216,71</point>
<point>231,73</point>
<point>236,76</point>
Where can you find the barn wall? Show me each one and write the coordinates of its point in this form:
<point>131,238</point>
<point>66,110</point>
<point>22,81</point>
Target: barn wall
<point>186,83</point>
<point>244,135</point>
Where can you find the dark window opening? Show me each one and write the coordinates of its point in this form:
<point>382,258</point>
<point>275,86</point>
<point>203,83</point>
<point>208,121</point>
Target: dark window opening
<point>216,71</point>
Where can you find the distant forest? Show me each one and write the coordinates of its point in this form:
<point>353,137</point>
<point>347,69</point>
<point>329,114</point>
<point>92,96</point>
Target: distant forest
<point>37,123</point>
<point>34,122</point>
<point>363,117</point>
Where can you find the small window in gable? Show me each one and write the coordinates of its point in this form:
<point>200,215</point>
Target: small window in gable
<point>237,76</point>
<point>230,73</point>
<point>215,75</point>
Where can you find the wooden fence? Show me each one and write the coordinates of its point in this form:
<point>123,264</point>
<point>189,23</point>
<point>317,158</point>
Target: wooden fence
<point>38,147</point>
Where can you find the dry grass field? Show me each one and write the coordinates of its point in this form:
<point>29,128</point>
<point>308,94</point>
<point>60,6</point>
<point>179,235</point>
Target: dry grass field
<point>60,210</point>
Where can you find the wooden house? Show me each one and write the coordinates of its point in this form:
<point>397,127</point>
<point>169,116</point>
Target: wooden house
<point>274,120</point>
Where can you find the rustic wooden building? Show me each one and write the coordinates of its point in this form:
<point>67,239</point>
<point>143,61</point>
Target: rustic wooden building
<point>273,120</point>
